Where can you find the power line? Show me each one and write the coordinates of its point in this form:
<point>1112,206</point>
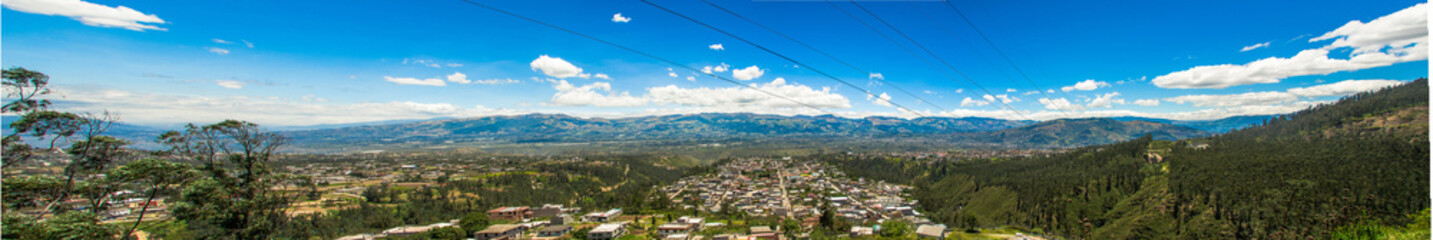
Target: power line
<point>1002,54</point>
<point>638,52</point>
<point>798,63</point>
<point>909,51</point>
<point>823,53</point>
<point>937,57</point>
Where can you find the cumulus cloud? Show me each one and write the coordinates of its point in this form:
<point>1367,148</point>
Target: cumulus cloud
<point>747,73</point>
<point>415,81</point>
<point>751,98</point>
<point>672,74</point>
<point>1086,85</point>
<point>1107,100</point>
<point>715,69</point>
<point>555,67</point>
<point>1004,98</point>
<point>89,13</point>
<point>717,47</point>
<point>1398,30</point>
<point>219,51</point>
<point>883,99</point>
<point>1011,90</point>
<point>877,76</point>
<point>1227,100</point>
<point>691,78</point>
<point>602,76</point>
<point>149,108</point>
<point>1395,38</point>
<point>620,19</point>
<point>1060,104</point>
<point>1255,46</point>
<point>458,77</point>
<point>1344,88</point>
<point>969,102</point>
<point>230,84</point>
<point>588,95</point>
<point>1147,102</point>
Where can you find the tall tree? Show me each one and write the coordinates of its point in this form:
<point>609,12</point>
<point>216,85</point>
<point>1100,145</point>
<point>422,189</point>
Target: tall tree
<point>154,176</point>
<point>240,197</point>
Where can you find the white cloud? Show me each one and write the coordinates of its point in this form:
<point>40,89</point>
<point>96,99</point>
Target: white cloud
<point>717,47</point>
<point>747,73</point>
<point>691,78</point>
<point>219,51</point>
<point>1344,88</point>
<point>230,84</point>
<point>671,74</point>
<point>715,69</point>
<point>1011,90</point>
<point>1396,30</point>
<point>89,13</point>
<point>555,67</point>
<point>1060,104</point>
<point>1105,101</point>
<point>883,99</point>
<point>584,75</point>
<point>1004,98</point>
<point>221,41</point>
<point>1229,100</point>
<point>459,78</point>
<point>1147,102</point>
<point>1086,85</point>
<point>878,76</point>
<point>495,81</point>
<point>414,81</point>
<point>1394,38</point>
<point>247,43</point>
<point>1031,92</point>
<point>743,98</point>
<point>600,94</point>
<point>968,102</point>
<point>1255,46</point>
<point>959,90</point>
<point>602,76</point>
<point>587,95</point>
<point>619,18</point>
<point>149,108</point>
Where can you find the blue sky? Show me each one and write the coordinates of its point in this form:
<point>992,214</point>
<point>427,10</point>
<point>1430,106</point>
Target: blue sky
<point>302,63</point>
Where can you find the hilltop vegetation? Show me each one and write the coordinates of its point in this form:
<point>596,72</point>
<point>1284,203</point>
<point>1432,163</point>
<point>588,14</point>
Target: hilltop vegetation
<point>1354,169</point>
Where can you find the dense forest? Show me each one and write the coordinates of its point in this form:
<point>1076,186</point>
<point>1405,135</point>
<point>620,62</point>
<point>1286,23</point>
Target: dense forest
<point>1356,168</point>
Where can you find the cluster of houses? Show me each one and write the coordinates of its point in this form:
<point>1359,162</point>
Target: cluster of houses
<point>790,189</point>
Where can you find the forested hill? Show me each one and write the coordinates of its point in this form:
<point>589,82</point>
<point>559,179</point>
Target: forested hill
<point>1081,132</point>
<point>1357,168</point>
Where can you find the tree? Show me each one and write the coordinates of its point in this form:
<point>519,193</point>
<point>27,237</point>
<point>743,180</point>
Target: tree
<point>790,227</point>
<point>895,229</point>
<point>474,222</point>
<point>154,176</point>
<point>24,85</point>
<point>448,233</point>
<point>240,197</point>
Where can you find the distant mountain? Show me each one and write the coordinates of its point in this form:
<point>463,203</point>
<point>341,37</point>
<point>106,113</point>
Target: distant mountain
<point>1217,125</point>
<point>691,128</point>
<point>537,128</point>
<point>141,137</point>
<point>357,124</point>
<point>1082,132</point>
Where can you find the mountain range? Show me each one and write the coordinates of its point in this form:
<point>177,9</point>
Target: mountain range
<point>727,127</point>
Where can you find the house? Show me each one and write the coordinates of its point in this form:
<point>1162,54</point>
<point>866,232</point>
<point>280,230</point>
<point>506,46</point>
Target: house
<point>603,216</point>
<point>857,231</point>
<point>547,210</point>
<point>682,236</point>
<point>500,232</point>
<point>561,219</point>
<point>696,222</point>
<point>554,231</point>
<point>931,231</point>
<point>510,213</point>
<point>606,231</point>
<point>673,228</point>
